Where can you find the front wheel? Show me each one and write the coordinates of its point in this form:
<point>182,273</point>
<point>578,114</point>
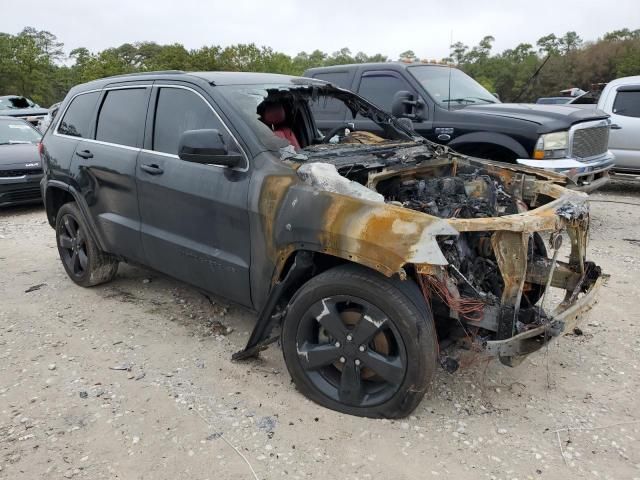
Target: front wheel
<point>360,343</point>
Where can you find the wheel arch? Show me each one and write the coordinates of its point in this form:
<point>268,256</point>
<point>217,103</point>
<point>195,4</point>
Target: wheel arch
<point>323,261</point>
<point>56,194</point>
<point>292,272</point>
<point>486,141</point>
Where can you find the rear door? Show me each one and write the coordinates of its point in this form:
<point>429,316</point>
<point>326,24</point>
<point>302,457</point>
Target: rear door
<point>624,140</point>
<point>77,122</point>
<point>105,167</point>
<point>195,223</point>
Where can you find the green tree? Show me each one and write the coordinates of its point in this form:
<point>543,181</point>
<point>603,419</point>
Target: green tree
<point>32,63</point>
<point>408,56</point>
<point>549,44</point>
<point>458,52</point>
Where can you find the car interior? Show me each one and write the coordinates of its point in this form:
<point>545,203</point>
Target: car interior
<point>290,116</point>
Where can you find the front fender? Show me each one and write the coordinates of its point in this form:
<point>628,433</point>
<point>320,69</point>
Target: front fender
<point>381,236</point>
<point>490,138</point>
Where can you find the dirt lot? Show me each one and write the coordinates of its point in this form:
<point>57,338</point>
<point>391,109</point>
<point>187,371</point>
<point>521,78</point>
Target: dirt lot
<point>133,380</point>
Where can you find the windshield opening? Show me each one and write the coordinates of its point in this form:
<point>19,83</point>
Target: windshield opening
<point>283,116</point>
<point>451,87</point>
<point>16,131</point>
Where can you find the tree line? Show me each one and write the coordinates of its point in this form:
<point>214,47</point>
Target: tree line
<point>33,63</point>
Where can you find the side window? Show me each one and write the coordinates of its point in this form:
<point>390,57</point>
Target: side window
<point>122,115</point>
<point>379,89</point>
<point>177,111</point>
<point>627,103</point>
<point>77,118</point>
<point>339,79</point>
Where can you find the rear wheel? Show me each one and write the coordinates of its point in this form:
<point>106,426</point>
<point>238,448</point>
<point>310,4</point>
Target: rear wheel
<point>360,343</point>
<point>83,261</point>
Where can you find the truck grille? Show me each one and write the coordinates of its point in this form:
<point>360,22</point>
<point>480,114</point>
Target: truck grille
<point>19,172</point>
<point>590,142</point>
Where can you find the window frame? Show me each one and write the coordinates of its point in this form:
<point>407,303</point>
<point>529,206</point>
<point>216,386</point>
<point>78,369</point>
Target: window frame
<point>384,73</point>
<point>619,90</point>
<point>101,102</point>
<point>59,118</point>
<point>149,118</point>
<point>151,115</point>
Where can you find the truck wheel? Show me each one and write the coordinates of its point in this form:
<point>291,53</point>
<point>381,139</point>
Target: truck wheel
<point>84,262</point>
<point>360,343</point>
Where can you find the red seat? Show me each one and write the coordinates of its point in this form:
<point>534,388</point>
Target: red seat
<point>275,116</point>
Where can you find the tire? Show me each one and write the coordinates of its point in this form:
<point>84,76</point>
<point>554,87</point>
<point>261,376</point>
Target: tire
<point>360,343</point>
<point>83,261</point>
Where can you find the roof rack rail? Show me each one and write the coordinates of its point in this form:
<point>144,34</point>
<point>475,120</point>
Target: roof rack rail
<point>156,72</point>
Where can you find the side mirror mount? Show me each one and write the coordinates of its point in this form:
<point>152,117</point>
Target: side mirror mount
<point>206,146</point>
<point>405,105</point>
<point>496,94</point>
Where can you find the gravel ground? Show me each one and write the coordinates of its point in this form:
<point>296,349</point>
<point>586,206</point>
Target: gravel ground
<point>133,380</point>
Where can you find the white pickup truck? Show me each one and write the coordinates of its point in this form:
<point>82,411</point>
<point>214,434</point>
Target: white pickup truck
<point>621,99</point>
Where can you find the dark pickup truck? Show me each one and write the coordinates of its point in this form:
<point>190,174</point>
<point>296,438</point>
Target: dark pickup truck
<point>447,106</point>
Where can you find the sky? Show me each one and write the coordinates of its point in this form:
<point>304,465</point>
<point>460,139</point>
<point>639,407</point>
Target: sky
<point>290,26</point>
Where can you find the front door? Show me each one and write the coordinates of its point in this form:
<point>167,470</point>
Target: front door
<point>380,88</point>
<point>195,224</point>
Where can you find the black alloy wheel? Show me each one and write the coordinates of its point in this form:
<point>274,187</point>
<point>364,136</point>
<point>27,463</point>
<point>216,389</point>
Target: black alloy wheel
<point>350,351</point>
<point>360,343</point>
<point>83,261</point>
<point>73,246</point>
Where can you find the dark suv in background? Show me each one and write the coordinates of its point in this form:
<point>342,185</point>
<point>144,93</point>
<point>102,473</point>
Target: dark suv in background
<point>447,106</point>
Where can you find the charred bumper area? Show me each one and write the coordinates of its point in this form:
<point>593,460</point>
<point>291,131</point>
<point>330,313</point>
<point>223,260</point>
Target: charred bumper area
<point>494,294</point>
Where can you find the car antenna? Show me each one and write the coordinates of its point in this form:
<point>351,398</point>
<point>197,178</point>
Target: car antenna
<point>449,94</point>
<point>532,78</point>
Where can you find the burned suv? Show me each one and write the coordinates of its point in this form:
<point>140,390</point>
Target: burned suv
<point>363,254</point>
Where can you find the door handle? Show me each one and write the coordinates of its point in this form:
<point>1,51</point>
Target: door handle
<point>152,169</point>
<point>615,126</point>
<point>85,154</point>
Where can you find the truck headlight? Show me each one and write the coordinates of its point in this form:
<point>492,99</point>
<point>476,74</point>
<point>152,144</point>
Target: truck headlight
<point>552,145</point>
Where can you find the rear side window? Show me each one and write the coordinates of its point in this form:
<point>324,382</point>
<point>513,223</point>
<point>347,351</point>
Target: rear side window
<point>77,119</point>
<point>177,111</point>
<point>627,103</point>
<point>122,115</point>
<point>380,89</point>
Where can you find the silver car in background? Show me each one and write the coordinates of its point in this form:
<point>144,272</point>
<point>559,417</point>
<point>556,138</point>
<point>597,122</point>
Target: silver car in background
<point>620,98</point>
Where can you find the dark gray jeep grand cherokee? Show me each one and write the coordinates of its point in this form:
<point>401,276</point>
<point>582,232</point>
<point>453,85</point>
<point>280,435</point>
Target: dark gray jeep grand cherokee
<point>364,251</point>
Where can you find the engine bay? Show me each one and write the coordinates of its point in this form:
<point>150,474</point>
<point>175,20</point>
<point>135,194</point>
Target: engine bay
<point>472,195</point>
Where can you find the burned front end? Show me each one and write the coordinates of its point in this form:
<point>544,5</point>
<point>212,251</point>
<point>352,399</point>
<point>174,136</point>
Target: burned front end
<point>508,270</point>
<point>507,257</point>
